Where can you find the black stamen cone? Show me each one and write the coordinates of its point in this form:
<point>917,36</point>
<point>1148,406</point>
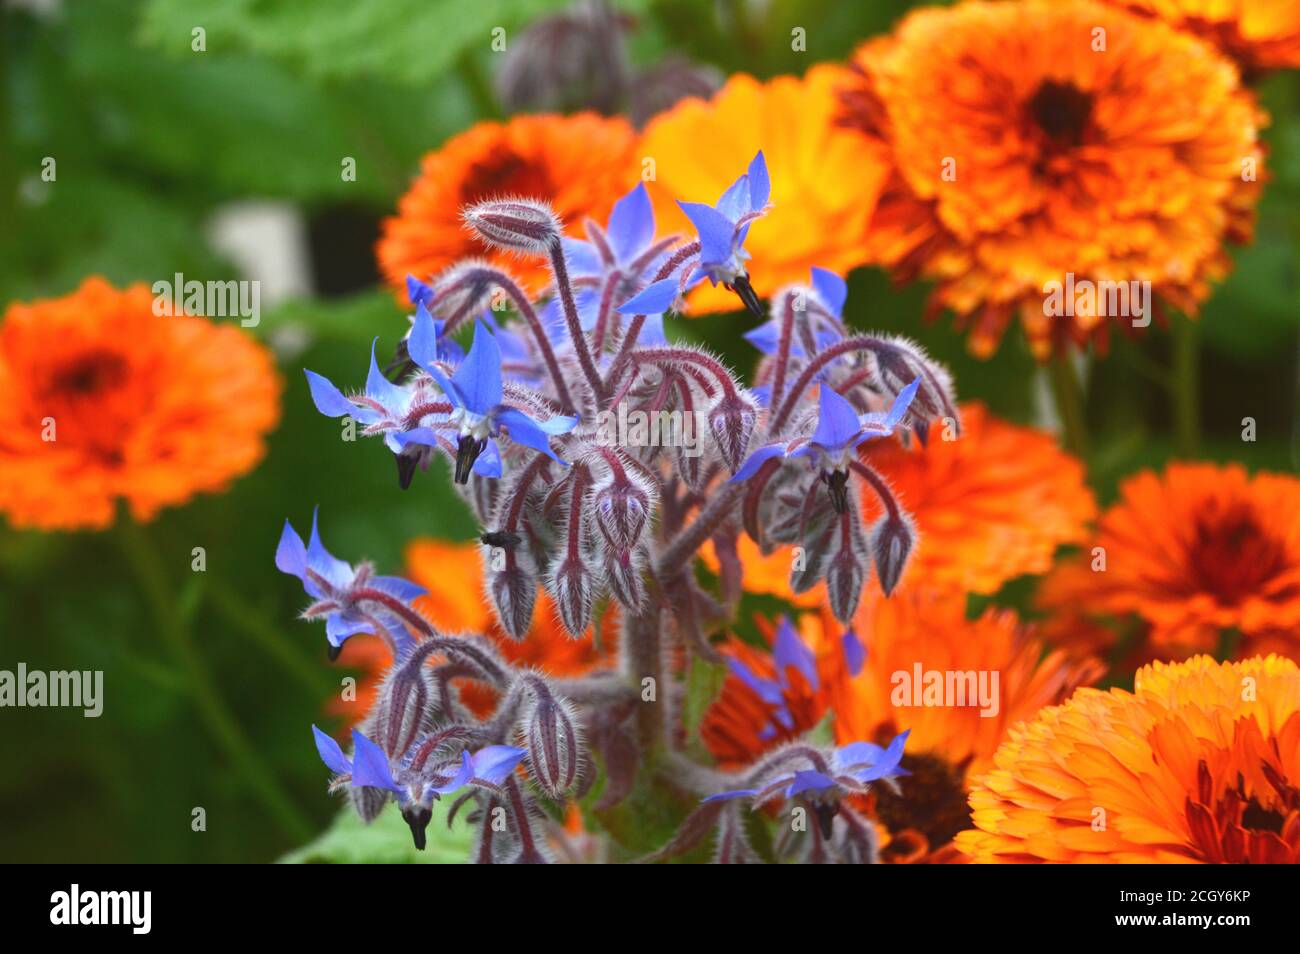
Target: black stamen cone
<point>418,820</point>
<point>745,290</point>
<point>405,470</point>
<point>467,451</point>
<point>334,653</point>
<point>826,813</point>
<point>838,481</point>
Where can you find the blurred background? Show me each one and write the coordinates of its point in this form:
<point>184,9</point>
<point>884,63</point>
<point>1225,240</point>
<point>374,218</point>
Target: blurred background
<point>225,163</point>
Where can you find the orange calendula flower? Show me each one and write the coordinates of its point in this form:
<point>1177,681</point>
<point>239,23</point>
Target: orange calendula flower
<point>825,178</point>
<point>992,672</point>
<point>101,400</point>
<point>579,164</point>
<point>1198,554</point>
<point>1258,34</point>
<point>958,685</point>
<point>1201,763</point>
<point>990,505</point>
<point>1040,148</point>
<point>453,575</point>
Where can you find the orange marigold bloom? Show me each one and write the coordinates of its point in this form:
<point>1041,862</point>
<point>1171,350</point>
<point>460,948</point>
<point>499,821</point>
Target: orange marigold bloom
<point>825,178</point>
<point>101,399</point>
<point>1023,152</point>
<point>948,743</point>
<point>1197,553</point>
<point>453,575</point>
<point>1258,34</point>
<point>991,505</point>
<point>1201,763</point>
<point>580,164</point>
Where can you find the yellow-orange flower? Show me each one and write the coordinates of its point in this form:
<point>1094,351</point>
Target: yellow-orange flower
<point>1200,764</point>
<point>825,178</point>
<point>1036,140</point>
<point>453,575</point>
<point>1198,553</point>
<point>581,164</point>
<point>990,505</point>
<point>1258,34</point>
<point>102,400</point>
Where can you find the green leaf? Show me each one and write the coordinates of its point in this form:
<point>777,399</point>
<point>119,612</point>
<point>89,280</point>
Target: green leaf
<point>386,840</point>
<point>408,41</point>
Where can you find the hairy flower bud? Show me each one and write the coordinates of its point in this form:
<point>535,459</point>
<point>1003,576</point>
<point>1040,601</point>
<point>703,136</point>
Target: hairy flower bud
<point>891,546</point>
<point>520,225</point>
<point>554,745</point>
<point>847,567</point>
<point>897,363</point>
<point>731,420</point>
<point>622,507</point>
<point>623,576</point>
<point>513,590</point>
<point>571,587</point>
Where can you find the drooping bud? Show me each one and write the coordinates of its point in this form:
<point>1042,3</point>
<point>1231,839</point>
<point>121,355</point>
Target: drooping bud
<point>554,745</point>
<point>891,546</point>
<point>847,567</point>
<point>623,576</point>
<point>368,802</point>
<point>520,225</point>
<point>513,590</point>
<point>622,507</point>
<point>570,585</point>
<point>731,421</point>
<point>897,363</point>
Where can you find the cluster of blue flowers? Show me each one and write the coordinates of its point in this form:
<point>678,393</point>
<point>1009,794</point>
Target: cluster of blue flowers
<point>565,511</point>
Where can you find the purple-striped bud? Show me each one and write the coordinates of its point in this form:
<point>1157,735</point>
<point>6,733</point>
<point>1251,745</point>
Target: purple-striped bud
<point>464,289</point>
<point>623,576</point>
<point>622,508</point>
<point>848,566</point>
<point>897,363</point>
<point>520,225</point>
<point>891,546</point>
<point>570,585</point>
<point>731,420</point>
<point>554,745</point>
<point>513,590</point>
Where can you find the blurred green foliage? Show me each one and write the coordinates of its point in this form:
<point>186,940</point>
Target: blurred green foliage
<point>150,137</point>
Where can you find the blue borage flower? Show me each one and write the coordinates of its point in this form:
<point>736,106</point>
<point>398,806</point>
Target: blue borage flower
<point>351,600</point>
<point>723,227</point>
<point>823,325</point>
<point>624,251</point>
<point>840,429</point>
<point>847,770</point>
<point>475,391</point>
<point>721,231</point>
<point>385,408</point>
<point>416,784</point>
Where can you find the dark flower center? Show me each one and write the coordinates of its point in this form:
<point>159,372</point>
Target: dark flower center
<point>933,800</point>
<point>91,373</point>
<point>1231,555</point>
<point>504,173</point>
<point>1237,828</point>
<point>1061,111</point>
